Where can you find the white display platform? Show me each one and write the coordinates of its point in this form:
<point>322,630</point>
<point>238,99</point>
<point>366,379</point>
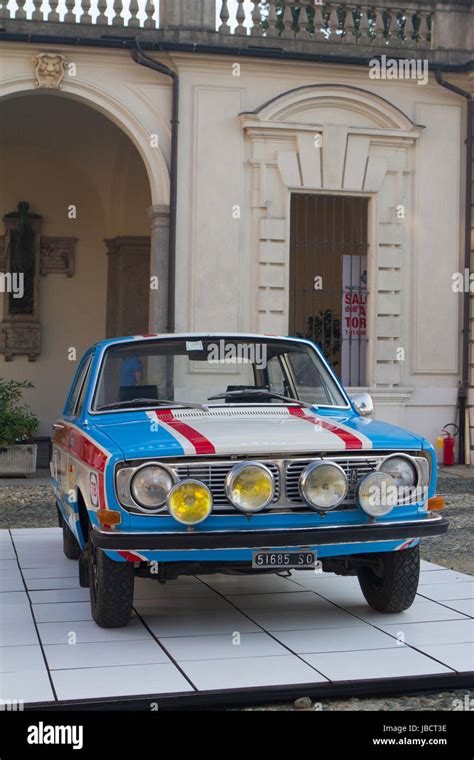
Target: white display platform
<point>219,639</point>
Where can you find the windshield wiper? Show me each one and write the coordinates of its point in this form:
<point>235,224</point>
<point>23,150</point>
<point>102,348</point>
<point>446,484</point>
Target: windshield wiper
<point>153,402</point>
<point>264,394</point>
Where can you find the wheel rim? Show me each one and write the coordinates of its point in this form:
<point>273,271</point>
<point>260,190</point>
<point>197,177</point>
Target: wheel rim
<point>375,581</point>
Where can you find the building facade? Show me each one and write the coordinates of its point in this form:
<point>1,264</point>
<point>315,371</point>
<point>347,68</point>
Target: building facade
<point>317,184</point>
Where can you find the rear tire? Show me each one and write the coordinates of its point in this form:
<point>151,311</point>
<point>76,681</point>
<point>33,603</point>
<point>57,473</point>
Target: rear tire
<point>71,548</point>
<point>111,587</point>
<point>395,591</point>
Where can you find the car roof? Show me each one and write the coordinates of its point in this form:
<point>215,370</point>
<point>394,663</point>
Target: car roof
<point>193,335</point>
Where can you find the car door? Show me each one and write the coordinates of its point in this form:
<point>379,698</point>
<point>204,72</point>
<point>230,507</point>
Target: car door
<point>62,459</point>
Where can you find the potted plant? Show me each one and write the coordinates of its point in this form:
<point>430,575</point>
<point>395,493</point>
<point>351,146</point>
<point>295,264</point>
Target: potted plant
<point>17,424</point>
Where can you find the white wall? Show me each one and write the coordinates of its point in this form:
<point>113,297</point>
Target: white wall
<point>406,151</point>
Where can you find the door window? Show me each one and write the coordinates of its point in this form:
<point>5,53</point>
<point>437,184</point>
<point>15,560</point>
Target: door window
<point>76,399</point>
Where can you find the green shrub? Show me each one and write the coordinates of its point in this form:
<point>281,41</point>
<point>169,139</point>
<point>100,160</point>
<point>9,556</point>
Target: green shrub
<point>17,421</point>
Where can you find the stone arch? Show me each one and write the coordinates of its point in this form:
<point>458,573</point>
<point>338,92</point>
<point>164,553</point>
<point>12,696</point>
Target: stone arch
<point>290,105</point>
<point>102,101</point>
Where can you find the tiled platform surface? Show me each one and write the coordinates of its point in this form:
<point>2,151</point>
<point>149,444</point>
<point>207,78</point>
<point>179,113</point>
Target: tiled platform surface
<point>219,635</point>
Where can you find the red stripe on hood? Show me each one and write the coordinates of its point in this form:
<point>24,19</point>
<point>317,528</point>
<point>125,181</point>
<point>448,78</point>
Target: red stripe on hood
<point>199,441</point>
<point>351,441</point>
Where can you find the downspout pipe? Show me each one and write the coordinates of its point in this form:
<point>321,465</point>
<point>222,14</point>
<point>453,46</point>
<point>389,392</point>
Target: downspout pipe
<point>143,60</point>
<point>463,388</point>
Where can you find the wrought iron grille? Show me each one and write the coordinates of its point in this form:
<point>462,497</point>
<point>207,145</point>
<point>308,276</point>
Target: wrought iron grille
<point>328,279</point>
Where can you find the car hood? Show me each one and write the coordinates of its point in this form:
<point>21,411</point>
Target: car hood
<point>250,431</point>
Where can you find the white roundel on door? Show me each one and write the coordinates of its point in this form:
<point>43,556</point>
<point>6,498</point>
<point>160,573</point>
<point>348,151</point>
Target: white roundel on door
<point>94,488</point>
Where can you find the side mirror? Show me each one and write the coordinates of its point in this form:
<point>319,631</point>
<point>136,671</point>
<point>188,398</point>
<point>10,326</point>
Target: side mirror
<point>363,404</point>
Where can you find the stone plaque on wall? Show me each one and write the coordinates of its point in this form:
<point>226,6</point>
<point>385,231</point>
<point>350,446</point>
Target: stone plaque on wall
<point>57,255</point>
<point>20,338</point>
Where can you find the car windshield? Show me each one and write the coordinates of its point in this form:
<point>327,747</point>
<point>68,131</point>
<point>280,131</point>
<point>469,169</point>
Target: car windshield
<point>194,370</point>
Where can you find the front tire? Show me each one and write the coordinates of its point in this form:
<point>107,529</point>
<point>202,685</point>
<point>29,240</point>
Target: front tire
<point>71,548</point>
<point>111,589</point>
<point>84,562</point>
<point>395,591</point>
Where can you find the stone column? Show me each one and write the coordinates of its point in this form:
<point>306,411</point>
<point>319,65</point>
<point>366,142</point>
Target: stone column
<point>453,26</point>
<point>188,14</point>
<point>158,311</point>
<point>159,369</point>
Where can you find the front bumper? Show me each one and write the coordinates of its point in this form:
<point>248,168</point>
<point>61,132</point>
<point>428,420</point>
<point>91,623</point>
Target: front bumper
<point>431,525</point>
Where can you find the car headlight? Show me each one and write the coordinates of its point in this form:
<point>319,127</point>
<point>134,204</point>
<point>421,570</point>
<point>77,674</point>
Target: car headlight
<point>323,485</point>
<point>150,486</point>
<point>377,493</point>
<point>190,502</point>
<point>250,486</point>
<point>402,470</point>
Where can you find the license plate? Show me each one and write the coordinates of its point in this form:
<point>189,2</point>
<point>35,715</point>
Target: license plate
<point>267,559</point>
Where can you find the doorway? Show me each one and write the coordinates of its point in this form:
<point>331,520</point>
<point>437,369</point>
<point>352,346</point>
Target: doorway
<point>328,279</point>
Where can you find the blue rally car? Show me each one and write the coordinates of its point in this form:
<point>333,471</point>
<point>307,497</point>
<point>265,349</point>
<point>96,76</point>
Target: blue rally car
<point>202,453</point>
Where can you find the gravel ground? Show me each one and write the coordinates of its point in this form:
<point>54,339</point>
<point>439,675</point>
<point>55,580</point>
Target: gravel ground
<point>27,505</point>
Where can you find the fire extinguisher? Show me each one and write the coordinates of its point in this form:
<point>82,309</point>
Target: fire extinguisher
<point>447,442</point>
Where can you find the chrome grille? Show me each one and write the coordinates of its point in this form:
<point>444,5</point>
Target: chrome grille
<point>355,469</point>
<point>286,470</point>
<point>213,475</point>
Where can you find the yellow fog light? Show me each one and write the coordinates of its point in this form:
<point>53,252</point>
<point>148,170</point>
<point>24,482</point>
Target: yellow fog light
<point>190,502</point>
<point>250,486</point>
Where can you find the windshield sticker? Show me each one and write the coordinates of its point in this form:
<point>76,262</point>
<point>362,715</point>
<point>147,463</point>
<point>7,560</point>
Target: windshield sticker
<point>194,345</point>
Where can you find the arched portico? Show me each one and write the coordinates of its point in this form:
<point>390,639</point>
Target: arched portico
<point>95,189</point>
<point>140,133</point>
<point>138,102</point>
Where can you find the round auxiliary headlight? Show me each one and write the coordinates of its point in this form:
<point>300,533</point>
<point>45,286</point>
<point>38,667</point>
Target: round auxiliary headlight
<point>377,494</point>
<point>250,486</point>
<point>190,502</point>
<point>402,470</point>
<point>150,486</point>
<point>323,485</point>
